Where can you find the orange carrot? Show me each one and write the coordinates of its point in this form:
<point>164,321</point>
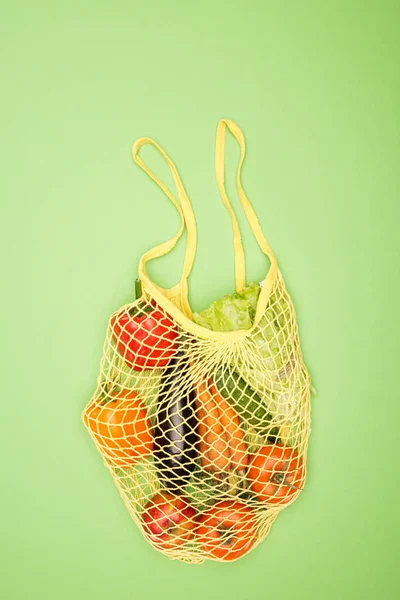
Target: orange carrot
<point>230,421</point>
<point>214,449</point>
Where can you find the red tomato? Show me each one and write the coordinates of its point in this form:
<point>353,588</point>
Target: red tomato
<point>276,473</point>
<point>227,530</point>
<point>168,521</point>
<point>121,427</point>
<point>146,339</point>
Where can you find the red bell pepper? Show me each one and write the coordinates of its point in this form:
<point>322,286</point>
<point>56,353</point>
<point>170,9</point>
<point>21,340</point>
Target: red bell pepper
<point>146,337</point>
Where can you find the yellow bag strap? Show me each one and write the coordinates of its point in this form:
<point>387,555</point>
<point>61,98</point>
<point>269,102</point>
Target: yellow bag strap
<point>183,207</point>
<point>240,268</point>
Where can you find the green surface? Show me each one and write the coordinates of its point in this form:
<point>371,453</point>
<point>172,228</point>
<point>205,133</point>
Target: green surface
<point>315,87</point>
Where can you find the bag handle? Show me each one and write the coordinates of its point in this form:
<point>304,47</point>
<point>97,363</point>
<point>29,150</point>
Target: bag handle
<point>183,207</point>
<point>240,266</point>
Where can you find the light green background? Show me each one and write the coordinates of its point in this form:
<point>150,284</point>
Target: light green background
<point>315,86</point>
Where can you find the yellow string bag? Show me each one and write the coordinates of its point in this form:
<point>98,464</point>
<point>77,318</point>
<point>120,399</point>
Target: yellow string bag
<point>204,432</point>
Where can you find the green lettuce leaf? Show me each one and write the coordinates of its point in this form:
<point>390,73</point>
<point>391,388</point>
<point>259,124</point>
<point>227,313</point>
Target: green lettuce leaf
<point>230,313</point>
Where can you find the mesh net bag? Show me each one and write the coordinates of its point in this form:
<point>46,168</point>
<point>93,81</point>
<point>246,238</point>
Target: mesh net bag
<point>204,432</point>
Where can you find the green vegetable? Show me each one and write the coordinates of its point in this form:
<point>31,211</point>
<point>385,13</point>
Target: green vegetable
<point>246,401</point>
<point>269,375</point>
<point>231,312</point>
<point>201,490</point>
<point>272,333</point>
<point>237,311</point>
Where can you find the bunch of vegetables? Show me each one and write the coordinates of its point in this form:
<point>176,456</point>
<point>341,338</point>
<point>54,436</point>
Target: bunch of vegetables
<point>200,425</point>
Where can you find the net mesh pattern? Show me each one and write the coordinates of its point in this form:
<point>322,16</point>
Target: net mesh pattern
<point>206,439</point>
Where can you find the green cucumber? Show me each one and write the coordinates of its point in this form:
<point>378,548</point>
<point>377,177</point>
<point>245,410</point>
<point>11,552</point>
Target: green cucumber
<point>246,401</point>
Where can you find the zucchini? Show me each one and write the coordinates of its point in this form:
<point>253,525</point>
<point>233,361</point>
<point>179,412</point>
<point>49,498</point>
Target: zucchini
<point>247,402</point>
